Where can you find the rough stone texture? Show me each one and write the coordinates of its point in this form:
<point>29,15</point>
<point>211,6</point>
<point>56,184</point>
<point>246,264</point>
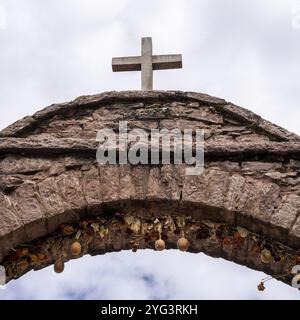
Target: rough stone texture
<point>49,174</point>
<point>29,210</point>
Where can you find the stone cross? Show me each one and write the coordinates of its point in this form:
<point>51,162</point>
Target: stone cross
<point>147,63</point>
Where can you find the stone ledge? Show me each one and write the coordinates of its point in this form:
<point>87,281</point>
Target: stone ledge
<point>69,145</point>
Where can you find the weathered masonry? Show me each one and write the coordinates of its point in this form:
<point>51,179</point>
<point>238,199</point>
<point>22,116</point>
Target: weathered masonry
<point>51,186</point>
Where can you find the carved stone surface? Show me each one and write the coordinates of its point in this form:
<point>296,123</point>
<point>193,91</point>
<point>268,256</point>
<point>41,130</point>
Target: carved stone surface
<point>49,174</point>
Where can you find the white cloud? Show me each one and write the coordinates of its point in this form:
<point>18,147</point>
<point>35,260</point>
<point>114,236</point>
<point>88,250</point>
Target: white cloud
<point>147,275</point>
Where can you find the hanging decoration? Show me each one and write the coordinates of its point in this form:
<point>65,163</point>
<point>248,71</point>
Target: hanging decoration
<point>118,231</point>
<point>76,248</point>
<point>59,266</point>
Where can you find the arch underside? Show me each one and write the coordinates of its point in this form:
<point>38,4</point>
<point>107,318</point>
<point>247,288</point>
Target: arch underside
<point>49,177</point>
<point>133,225</point>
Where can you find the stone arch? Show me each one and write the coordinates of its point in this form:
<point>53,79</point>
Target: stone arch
<point>49,177</point>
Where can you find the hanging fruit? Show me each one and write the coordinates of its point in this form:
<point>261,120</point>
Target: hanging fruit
<point>266,256</point>
<point>67,230</point>
<point>76,248</point>
<point>183,244</point>
<point>160,244</point>
<point>22,252</point>
<point>226,241</point>
<point>23,265</point>
<point>59,266</point>
<point>261,287</point>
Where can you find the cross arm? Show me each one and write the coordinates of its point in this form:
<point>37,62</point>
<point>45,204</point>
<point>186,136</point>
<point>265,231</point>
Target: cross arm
<point>169,61</point>
<point>126,64</point>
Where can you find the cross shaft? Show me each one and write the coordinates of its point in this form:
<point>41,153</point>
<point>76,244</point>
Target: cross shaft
<point>146,63</point>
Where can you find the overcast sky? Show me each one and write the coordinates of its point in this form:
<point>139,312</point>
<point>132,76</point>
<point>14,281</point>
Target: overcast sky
<point>244,51</point>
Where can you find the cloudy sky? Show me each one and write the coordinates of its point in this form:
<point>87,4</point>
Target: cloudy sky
<point>244,51</point>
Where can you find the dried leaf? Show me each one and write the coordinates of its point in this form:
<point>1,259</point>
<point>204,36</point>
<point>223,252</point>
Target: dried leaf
<point>95,227</point>
<point>78,234</point>
<point>11,269</point>
<point>180,222</point>
<point>56,245</point>
<point>159,228</point>
<point>210,225</point>
<point>243,232</point>
<point>129,220</point>
<point>254,238</point>
<point>144,228</point>
<point>170,224</point>
<point>103,231</point>
<point>136,226</point>
<point>266,256</point>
